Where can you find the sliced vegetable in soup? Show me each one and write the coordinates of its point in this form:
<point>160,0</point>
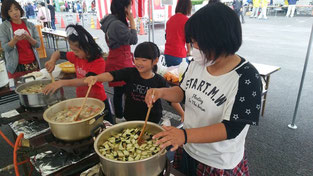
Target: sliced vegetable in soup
<point>124,147</point>
<point>33,89</point>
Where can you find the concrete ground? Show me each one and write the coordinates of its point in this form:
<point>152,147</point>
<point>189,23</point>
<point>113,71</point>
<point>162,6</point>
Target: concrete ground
<point>272,148</point>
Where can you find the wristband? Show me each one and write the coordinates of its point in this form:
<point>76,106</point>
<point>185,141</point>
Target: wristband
<point>185,133</point>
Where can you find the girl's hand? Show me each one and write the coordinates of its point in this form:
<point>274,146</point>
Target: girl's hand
<point>149,99</point>
<point>129,15</point>
<point>170,137</point>
<point>18,37</point>
<point>50,65</point>
<point>90,80</point>
<point>51,88</point>
<point>182,118</point>
<point>26,36</point>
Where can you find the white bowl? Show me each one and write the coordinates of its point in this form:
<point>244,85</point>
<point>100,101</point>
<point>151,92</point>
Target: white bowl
<point>56,72</point>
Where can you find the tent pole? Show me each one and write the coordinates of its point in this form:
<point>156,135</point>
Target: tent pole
<point>152,33</point>
<point>149,25</point>
<point>293,125</point>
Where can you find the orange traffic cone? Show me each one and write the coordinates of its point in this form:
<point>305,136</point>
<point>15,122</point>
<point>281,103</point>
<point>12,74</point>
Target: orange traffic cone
<point>56,20</point>
<point>141,30</point>
<point>62,23</point>
<point>98,24</point>
<point>77,18</point>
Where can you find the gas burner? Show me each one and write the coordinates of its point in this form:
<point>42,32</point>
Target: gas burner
<point>26,113</point>
<point>48,141</point>
<point>22,109</point>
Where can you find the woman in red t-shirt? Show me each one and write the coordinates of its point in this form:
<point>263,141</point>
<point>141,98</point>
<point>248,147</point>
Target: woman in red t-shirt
<point>86,55</point>
<point>175,46</point>
<point>19,40</point>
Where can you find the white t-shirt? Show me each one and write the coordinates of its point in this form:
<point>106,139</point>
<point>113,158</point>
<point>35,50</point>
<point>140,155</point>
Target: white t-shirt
<point>234,96</point>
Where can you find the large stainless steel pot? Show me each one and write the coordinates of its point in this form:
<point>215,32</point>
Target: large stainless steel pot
<point>72,131</point>
<point>38,99</point>
<point>148,167</point>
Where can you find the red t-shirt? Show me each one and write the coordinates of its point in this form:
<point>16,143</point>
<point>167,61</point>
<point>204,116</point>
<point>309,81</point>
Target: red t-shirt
<point>175,36</point>
<point>25,51</point>
<point>82,67</point>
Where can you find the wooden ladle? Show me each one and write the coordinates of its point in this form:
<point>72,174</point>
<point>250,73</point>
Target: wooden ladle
<point>84,102</point>
<point>140,139</point>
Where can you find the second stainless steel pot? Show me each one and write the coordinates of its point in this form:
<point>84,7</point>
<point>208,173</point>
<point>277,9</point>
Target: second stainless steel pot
<point>152,166</point>
<point>38,99</point>
<point>72,131</point>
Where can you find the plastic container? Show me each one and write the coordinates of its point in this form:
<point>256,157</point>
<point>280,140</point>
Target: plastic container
<point>56,72</point>
<point>4,79</point>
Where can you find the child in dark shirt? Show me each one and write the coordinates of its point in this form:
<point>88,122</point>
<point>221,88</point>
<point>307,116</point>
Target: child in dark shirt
<point>86,55</point>
<point>138,80</point>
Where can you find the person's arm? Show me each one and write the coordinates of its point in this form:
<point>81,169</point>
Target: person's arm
<point>179,109</point>
<point>130,17</point>
<point>5,38</point>
<point>104,77</point>
<point>30,39</point>
<point>51,88</point>
<point>35,39</point>
<point>176,137</point>
<point>15,39</point>
<point>51,63</point>
<point>173,94</point>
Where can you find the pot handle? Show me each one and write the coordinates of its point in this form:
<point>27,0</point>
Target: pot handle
<point>23,79</point>
<point>93,120</point>
<point>95,129</point>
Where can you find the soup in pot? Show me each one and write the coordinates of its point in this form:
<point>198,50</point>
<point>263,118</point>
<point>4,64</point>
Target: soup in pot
<point>33,89</point>
<point>124,147</point>
<point>68,114</point>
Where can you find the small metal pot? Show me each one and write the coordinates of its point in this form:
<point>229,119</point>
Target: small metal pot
<point>150,166</point>
<point>37,99</point>
<point>72,131</point>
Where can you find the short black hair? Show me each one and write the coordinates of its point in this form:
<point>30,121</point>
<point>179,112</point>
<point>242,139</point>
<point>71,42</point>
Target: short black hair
<point>217,30</point>
<point>184,7</point>
<point>213,1</point>
<point>85,42</point>
<point>42,4</point>
<point>148,50</point>
<point>6,5</point>
<point>48,1</point>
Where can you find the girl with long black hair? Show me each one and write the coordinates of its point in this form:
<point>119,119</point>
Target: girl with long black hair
<point>86,55</point>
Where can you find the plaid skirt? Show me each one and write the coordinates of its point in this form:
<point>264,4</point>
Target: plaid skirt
<point>184,163</point>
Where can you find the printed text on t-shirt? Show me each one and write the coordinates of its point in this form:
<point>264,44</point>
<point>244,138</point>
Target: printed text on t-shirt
<point>207,89</point>
<point>139,92</point>
<point>80,72</point>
